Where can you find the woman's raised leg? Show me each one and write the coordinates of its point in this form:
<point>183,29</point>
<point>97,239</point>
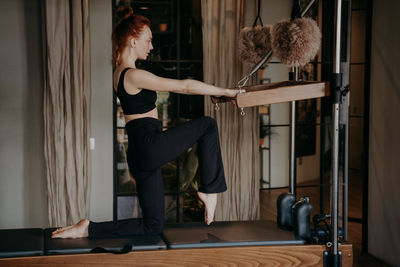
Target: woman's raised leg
<point>167,145</point>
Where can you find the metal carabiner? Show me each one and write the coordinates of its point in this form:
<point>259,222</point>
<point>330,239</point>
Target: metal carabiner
<point>243,81</point>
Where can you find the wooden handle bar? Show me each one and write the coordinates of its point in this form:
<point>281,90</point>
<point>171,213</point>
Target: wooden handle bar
<point>278,92</point>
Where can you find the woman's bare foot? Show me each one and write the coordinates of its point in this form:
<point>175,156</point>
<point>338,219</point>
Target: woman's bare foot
<point>73,231</point>
<point>210,202</point>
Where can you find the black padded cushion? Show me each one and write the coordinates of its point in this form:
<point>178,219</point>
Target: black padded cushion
<point>86,245</point>
<point>227,234</point>
<point>21,242</point>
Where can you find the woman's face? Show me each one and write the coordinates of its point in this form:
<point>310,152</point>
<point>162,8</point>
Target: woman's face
<point>143,44</point>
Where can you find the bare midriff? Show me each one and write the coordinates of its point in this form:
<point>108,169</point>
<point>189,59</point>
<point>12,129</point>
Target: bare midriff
<point>150,114</point>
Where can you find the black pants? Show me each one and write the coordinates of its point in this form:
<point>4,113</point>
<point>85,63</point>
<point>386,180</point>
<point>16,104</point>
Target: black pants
<point>148,149</point>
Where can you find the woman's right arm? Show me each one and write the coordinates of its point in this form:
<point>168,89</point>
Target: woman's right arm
<point>143,79</point>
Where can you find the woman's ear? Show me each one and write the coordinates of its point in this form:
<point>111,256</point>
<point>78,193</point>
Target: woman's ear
<point>132,42</point>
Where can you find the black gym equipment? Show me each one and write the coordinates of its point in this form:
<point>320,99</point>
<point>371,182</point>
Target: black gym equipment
<point>21,242</point>
<point>228,234</point>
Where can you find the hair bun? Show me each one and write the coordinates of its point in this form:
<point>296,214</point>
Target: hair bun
<point>123,12</point>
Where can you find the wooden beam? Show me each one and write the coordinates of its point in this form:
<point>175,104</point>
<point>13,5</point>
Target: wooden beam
<point>295,255</point>
<point>279,92</point>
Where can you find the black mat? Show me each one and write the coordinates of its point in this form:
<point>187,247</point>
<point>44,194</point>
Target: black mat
<point>227,234</point>
<point>21,242</point>
<point>86,245</point>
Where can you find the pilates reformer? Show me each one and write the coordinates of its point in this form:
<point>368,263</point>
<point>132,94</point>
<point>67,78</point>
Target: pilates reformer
<point>241,243</point>
<point>250,243</point>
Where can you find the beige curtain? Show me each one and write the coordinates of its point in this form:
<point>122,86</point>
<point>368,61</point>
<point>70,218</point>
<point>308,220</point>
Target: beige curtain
<point>222,21</point>
<point>66,109</point>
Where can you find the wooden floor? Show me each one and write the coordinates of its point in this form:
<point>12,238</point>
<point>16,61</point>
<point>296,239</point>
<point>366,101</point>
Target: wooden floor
<point>361,259</point>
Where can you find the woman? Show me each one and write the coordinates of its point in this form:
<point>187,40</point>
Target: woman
<point>148,146</point>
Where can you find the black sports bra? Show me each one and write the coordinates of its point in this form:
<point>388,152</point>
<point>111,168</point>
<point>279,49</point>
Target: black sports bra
<point>139,103</point>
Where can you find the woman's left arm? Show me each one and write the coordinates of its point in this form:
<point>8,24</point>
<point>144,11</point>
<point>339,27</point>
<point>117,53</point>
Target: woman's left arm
<point>200,88</point>
<point>144,79</point>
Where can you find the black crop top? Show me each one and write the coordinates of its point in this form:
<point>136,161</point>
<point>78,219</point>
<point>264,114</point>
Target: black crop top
<point>139,103</point>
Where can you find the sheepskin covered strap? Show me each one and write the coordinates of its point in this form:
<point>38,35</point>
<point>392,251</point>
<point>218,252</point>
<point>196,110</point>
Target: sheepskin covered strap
<point>296,13</point>
<point>258,18</point>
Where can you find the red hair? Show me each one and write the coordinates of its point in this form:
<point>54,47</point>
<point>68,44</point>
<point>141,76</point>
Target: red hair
<point>129,25</point>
